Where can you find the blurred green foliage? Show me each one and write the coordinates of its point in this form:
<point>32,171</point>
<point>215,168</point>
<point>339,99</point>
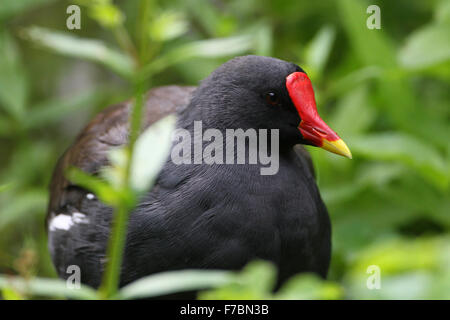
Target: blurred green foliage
<point>386,92</point>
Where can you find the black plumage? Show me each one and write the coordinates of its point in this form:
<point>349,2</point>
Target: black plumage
<point>201,216</point>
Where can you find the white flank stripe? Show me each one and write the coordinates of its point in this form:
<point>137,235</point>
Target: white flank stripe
<point>65,222</point>
<point>79,217</point>
<point>61,222</point>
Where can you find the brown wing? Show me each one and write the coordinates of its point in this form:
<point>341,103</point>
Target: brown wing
<point>109,129</point>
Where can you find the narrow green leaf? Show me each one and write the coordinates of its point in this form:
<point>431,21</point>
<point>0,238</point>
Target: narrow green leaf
<point>319,49</point>
<point>212,48</point>
<point>215,48</point>
<point>263,39</point>
<point>255,281</point>
<point>353,113</point>
<point>52,110</point>
<point>308,287</point>
<point>11,8</point>
<point>167,26</point>
<point>106,14</point>
<point>260,276</point>
<point>173,282</point>
<point>115,172</point>
<point>150,153</point>
<point>5,186</point>
<point>400,103</point>
<point>355,78</point>
<point>13,82</point>
<point>204,14</point>
<point>368,175</point>
<point>10,294</point>
<point>427,46</point>
<point>406,149</point>
<point>6,126</point>
<point>104,191</point>
<point>93,50</point>
<point>371,46</point>
<point>442,12</point>
<point>53,288</point>
<point>21,206</point>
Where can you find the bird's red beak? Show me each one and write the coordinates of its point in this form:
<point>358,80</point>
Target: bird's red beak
<point>312,127</point>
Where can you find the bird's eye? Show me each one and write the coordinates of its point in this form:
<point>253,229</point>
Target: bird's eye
<point>272,98</point>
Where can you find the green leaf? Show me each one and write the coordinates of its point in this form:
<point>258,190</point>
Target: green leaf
<point>19,207</point>
<point>399,255</point>
<point>427,46</point>
<point>53,110</point>
<point>307,287</point>
<point>103,190</point>
<point>173,282</point>
<point>262,34</point>
<point>150,153</point>
<point>205,14</point>
<point>260,276</point>
<point>371,46</point>
<point>368,175</point>
<point>442,12</point>
<point>72,46</point>
<point>41,287</point>
<point>11,294</point>
<point>13,82</point>
<point>106,14</point>
<point>11,8</point>
<point>411,268</point>
<point>213,48</point>
<point>379,174</point>
<point>167,26</point>
<point>406,286</point>
<point>319,49</point>
<point>6,126</point>
<point>406,149</point>
<point>353,113</point>
<point>400,103</point>
<point>115,172</point>
<point>4,187</point>
<point>353,79</point>
<point>255,281</point>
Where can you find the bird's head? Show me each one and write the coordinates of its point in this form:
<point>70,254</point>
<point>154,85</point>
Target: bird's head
<point>266,93</point>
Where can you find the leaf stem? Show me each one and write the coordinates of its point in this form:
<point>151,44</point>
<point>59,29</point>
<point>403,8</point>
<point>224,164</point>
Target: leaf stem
<point>116,245</point>
<point>117,239</point>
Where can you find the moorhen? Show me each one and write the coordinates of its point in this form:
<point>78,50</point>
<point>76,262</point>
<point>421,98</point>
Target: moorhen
<point>203,215</point>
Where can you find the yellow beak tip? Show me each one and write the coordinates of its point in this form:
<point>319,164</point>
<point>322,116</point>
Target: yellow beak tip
<point>338,147</point>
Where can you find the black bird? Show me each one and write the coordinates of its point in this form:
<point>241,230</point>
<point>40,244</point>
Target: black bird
<point>217,216</point>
